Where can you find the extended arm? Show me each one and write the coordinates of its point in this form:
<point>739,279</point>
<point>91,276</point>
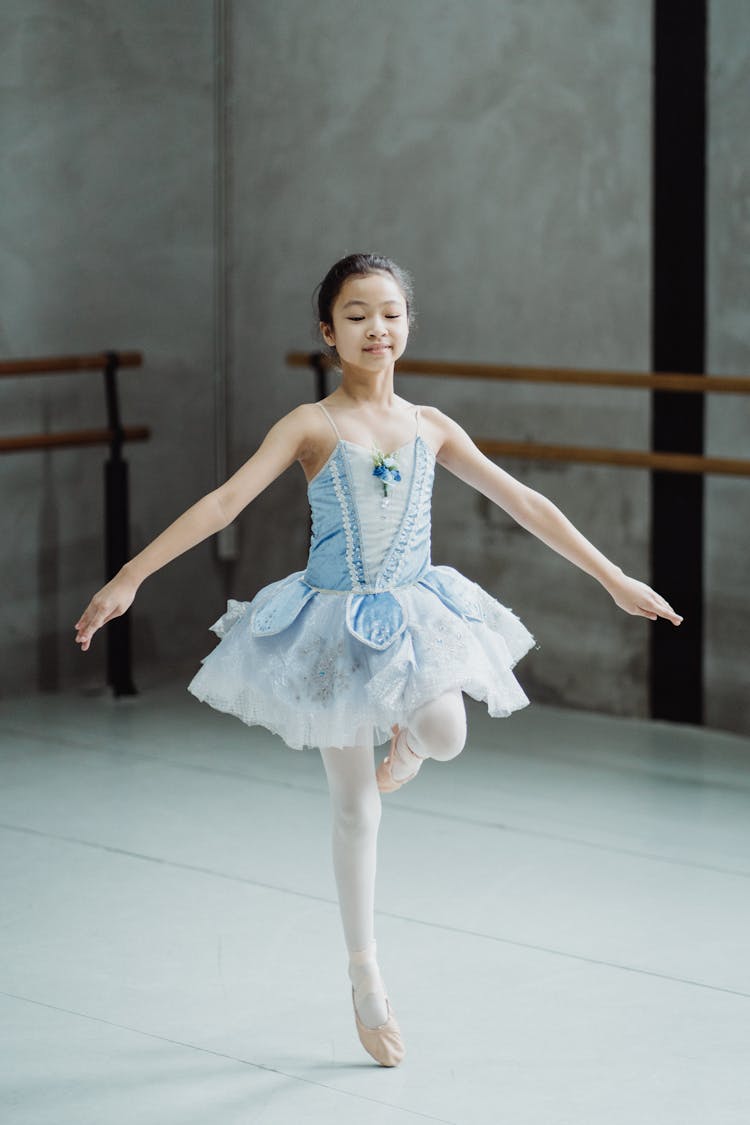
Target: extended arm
<point>537,513</point>
<point>278,450</point>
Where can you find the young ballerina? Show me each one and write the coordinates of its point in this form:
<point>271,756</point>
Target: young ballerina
<point>371,642</point>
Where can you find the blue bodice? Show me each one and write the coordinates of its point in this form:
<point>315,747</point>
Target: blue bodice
<point>341,562</point>
<point>338,559</point>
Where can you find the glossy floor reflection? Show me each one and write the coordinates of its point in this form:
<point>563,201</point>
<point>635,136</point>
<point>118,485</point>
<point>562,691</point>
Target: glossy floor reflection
<point>562,924</point>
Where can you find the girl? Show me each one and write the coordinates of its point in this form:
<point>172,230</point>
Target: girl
<point>370,642</point>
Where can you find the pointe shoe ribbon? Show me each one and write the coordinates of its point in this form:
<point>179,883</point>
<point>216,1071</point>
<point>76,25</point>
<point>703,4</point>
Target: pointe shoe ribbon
<point>387,783</point>
<point>384,1043</point>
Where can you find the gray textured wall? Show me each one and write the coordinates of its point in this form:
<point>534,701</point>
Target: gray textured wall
<point>106,241</point>
<point>727,511</point>
<point>501,151</point>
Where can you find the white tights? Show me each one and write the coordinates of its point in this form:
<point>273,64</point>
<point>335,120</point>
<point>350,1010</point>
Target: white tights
<point>435,730</point>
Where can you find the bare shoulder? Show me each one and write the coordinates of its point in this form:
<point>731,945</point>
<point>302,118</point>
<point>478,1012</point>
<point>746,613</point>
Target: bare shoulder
<point>302,429</point>
<point>457,452</point>
<point>439,430</point>
<point>300,418</point>
<point>315,437</point>
<point>289,439</point>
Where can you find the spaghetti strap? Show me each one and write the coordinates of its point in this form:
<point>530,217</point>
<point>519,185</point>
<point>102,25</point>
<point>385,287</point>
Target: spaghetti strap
<point>416,412</point>
<point>330,419</point>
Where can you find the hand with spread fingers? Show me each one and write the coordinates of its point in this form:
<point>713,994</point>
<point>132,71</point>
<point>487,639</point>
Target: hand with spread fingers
<point>637,598</point>
<point>112,600</point>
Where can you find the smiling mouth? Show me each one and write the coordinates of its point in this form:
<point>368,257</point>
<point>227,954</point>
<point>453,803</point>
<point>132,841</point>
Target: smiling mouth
<point>379,348</point>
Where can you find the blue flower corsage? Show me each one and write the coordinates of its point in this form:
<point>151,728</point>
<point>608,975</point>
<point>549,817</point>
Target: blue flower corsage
<point>386,470</point>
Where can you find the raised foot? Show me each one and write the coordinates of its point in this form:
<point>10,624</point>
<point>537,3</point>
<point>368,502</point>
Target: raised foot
<point>387,783</point>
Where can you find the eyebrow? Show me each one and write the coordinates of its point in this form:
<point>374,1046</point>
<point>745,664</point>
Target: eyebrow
<point>390,301</point>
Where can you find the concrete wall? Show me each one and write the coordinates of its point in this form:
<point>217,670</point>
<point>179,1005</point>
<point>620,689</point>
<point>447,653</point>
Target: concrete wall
<point>727,526</point>
<point>500,151</point>
<point>106,242</point>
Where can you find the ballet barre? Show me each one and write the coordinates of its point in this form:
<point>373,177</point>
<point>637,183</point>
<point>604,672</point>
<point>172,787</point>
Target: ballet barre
<point>627,458</point>
<point>116,505</point>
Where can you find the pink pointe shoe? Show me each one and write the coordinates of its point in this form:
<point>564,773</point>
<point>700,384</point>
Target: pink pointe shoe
<point>384,1043</point>
<point>387,783</point>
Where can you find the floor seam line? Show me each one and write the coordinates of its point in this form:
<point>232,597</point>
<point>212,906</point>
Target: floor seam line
<point>223,1055</point>
<point>443,926</point>
<point>405,808</point>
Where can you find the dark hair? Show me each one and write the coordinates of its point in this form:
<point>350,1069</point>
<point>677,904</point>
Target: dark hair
<point>359,265</point>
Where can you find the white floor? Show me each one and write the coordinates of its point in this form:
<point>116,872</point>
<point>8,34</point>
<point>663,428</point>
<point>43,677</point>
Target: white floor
<point>563,921</point>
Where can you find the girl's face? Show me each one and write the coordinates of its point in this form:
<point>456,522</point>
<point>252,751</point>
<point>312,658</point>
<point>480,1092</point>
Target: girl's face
<point>370,321</point>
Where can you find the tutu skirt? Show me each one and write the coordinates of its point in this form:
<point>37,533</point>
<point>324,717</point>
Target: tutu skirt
<point>315,681</point>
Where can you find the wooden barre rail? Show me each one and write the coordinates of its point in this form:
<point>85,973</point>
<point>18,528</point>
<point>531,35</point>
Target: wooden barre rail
<point>630,458</point>
<point>71,438</point>
<point>646,380</point>
<point>53,365</point>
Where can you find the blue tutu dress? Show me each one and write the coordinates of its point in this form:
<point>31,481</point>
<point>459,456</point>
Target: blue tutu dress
<point>335,654</point>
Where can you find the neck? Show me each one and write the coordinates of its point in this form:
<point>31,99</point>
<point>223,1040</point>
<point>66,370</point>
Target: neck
<point>367,388</point>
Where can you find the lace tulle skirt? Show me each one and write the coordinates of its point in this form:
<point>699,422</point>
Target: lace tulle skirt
<point>315,683</point>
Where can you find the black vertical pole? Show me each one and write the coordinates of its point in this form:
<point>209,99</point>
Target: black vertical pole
<point>318,364</point>
<point>117,547</point>
<point>678,344</point>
